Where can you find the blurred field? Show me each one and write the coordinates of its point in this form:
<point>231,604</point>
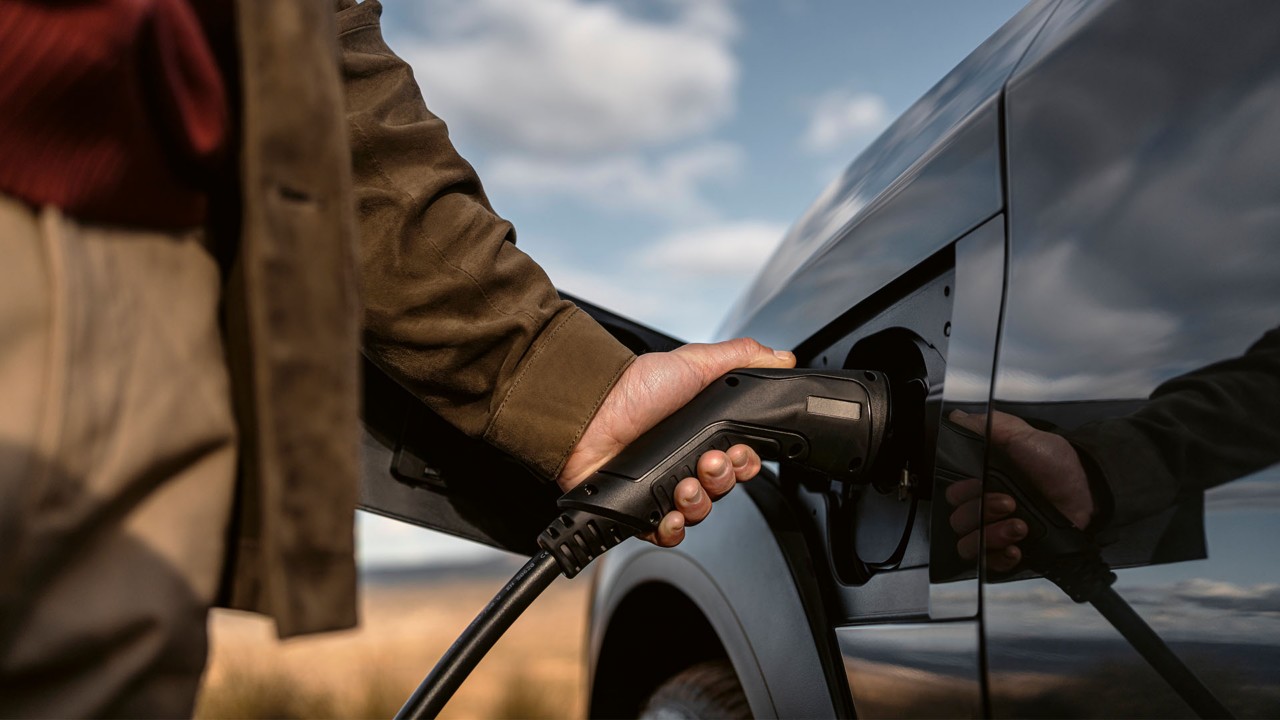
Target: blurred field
<point>535,671</point>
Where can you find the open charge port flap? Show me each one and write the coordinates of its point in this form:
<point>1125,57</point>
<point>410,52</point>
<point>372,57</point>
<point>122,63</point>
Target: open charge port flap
<point>876,525</point>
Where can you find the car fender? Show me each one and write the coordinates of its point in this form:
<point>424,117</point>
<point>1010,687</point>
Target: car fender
<point>733,569</point>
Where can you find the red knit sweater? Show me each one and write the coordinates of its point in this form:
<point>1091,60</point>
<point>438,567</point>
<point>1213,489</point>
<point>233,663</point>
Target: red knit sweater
<point>114,110</point>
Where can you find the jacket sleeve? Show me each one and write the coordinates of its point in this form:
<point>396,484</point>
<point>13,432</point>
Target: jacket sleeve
<point>453,310</point>
<point>1199,430</point>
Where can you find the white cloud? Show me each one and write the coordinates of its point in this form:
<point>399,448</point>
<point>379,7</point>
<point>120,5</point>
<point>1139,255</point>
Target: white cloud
<point>739,248</point>
<point>713,17</point>
<point>668,187</point>
<point>569,77</point>
<point>613,288</point>
<point>840,116</point>
<point>1204,588</point>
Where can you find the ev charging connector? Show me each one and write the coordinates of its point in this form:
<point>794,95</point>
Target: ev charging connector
<point>831,421</point>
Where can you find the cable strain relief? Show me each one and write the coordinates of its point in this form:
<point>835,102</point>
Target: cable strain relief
<point>577,537</point>
<point>1081,576</point>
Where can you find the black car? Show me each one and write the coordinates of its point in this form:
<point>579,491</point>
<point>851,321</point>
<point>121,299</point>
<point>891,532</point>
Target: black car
<point>1079,227</point>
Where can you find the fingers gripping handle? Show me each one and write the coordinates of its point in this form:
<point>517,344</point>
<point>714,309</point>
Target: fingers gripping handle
<point>1053,546</point>
<point>608,508</point>
<point>830,421</point>
<point>1049,533</point>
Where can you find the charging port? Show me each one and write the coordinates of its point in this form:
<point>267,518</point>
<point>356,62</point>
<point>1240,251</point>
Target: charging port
<point>871,526</point>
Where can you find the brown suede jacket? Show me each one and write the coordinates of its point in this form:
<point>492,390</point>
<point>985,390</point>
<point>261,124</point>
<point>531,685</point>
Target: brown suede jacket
<point>350,191</point>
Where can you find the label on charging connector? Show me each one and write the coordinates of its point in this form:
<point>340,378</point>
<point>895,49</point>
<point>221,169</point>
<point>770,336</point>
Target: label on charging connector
<point>831,407</point>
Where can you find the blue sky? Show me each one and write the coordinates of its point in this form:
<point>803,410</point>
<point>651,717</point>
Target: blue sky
<point>652,153</point>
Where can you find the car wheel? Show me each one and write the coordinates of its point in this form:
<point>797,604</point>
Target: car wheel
<point>706,690</point>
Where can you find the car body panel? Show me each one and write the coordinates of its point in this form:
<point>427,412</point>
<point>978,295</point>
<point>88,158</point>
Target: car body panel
<point>749,595</point>
<point>418,469</point>
<point>913,670</point>
<point>1144,240</point>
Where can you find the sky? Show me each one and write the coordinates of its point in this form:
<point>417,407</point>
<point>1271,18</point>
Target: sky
<point>652,153</point>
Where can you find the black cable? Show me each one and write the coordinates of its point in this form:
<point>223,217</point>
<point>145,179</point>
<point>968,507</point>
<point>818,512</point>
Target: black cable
<point>1157,654</point>
<point>470,647</point>
<point>1086,577</point>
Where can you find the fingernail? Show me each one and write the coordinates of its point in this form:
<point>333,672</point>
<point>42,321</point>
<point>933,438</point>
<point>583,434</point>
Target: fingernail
<point>739,459</point>
<point>1016,530</point>
<point>677,523</point>
<point>783,355</point>
<point>959,413</point>
<point>1010,553</point>
<point>693,497</point>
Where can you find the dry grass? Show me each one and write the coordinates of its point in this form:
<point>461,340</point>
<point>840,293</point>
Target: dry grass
<point>535,671</point>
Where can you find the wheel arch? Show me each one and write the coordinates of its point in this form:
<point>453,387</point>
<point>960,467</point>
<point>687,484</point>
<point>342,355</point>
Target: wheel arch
<point>728,591</point>
<point>634,659</point>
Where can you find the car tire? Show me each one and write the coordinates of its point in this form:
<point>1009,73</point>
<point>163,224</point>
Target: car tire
<point>706,690</point>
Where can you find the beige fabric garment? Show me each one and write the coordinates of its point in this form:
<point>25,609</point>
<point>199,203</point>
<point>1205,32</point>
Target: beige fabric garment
<point>117,466</point>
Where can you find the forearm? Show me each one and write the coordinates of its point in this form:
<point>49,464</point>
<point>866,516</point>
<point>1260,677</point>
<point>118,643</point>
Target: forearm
<point>1199,430</point>
<point>454,311</point>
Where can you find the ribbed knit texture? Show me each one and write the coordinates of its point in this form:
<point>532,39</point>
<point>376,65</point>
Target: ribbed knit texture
<point>114,110</point>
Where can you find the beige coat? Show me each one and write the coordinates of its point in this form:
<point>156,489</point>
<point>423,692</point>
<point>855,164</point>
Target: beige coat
<point>350,191</point>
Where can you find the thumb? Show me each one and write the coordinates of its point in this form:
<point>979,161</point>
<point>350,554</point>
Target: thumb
<point>1005,427</point>
<point>716,359</point>
<point>972,423</point>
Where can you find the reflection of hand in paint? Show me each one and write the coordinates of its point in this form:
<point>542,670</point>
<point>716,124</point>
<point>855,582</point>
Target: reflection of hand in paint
<point>1046,459</point>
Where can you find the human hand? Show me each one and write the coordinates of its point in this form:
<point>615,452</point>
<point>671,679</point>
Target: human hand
<point>653,387</point>
<point>1044,458</point>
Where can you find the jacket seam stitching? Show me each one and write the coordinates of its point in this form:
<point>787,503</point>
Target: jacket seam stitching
<point>595,407</point>
<point>362,26</point>
<point>515,385</point>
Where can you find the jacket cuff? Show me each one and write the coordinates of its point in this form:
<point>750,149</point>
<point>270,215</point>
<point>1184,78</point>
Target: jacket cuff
<point>1132,475</point>
<point>558,390</point>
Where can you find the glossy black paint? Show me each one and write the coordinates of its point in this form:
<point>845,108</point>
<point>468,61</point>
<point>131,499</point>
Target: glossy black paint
<point>980,262</point>
<point>1144,240</point>
<point>418,469</point>
<point>913,670</point>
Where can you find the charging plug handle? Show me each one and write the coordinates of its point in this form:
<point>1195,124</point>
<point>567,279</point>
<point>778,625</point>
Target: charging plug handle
<point>829,421</point>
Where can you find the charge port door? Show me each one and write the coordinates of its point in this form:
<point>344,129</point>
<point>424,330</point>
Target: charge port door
<point>905,606</point>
